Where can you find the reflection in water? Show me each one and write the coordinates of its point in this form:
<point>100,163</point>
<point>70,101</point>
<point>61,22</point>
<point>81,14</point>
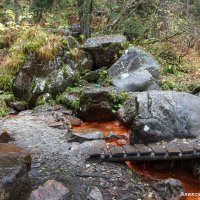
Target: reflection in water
<point>149,170</point>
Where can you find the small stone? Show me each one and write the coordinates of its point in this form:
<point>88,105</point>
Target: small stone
<point>87,134</point>
<point>19,105</point>
<point>51,190</point>
<point>121,142</point>
<point>95,194</point>
<point>4,137</point>
<point>56,125</point>
<point>88,165</point>
<point>112,135</point>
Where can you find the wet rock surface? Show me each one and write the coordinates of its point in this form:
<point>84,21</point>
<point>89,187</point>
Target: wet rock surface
<point>16,151</point>
<point>135,71</point>
<point>169,189</point>
<point>53,158</point>
<point>155,116</point>
<point>104,49</point>
<point>14,180</point>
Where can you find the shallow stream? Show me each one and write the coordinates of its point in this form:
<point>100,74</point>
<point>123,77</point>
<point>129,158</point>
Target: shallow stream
<point>148,170</point>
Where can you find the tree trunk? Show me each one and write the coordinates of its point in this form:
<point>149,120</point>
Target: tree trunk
<point>187,8</point>
<point>85,8</point>
<point>17,10</point>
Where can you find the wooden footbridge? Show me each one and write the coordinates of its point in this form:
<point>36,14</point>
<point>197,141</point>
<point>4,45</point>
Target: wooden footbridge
<point>149,152</point>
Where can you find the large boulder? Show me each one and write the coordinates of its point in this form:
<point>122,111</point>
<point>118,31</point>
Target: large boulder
<point>135,71</point>
<point>104,49</point>
<point>39,76</point>
<point>157,115</point>
<point>93,103</point>
<point>14,165</point>
<point>99,104</point>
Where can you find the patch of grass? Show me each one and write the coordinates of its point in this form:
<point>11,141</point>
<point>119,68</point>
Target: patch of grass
<point>6,79</point>
<point>3,108</point>
<point>25,41</point>
<point>31,40</point>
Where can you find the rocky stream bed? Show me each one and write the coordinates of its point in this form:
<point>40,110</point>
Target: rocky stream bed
<point>55,157</point>
<point>44,146</point>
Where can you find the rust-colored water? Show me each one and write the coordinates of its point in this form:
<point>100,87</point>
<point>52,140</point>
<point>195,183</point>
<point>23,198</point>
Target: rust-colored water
<point>107,127</point>
<point>147,169</point>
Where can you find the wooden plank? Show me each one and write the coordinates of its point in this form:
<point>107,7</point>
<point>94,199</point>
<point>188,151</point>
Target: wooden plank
<point>116,151</point>
<point>143,150</point>
<point>172,149</point>
<point>130,150</point>
<point>95,151</point>
<point>185,148</point>
<point>196,146</point>
<point>158,149</point>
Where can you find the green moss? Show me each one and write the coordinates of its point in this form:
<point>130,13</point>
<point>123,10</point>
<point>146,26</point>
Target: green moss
<point>4,101</point>
<point>44,99</point>
<point>104,78</point>
<point>6,80</point>
<point>117,100</point>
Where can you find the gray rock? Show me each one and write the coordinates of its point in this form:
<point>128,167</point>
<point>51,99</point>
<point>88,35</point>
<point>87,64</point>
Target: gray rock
<point>75,30</point>
<point>50,190</point>
<point>60,80</point>
<point>95,194</point>
<point>84,61</point>
<point>38,77</point>
<point>156,116</point>
<point>86,134</point>
<point>136,70</point>
<point>72,43</point>
<point>30,82</point>
<point>136,82</point>
<point>96,104</point>
<point>14,180</point>
<point>93,76</point>
<point>104,49</point>
<point>19,105</point>
<point>169,189</point>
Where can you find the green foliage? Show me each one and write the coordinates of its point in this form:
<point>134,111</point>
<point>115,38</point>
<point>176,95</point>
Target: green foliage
<point>6,80</point>
<point>104,78</point>
<point>117,100</point>
<point>133,28</point>
<point>196,8</point>
<point>44,99</point>
<point>4,100</point>
<point>3,108</point>
<point>40,6</point>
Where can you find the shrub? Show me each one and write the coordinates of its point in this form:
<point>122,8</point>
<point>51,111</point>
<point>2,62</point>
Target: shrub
<point>133,28</point>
